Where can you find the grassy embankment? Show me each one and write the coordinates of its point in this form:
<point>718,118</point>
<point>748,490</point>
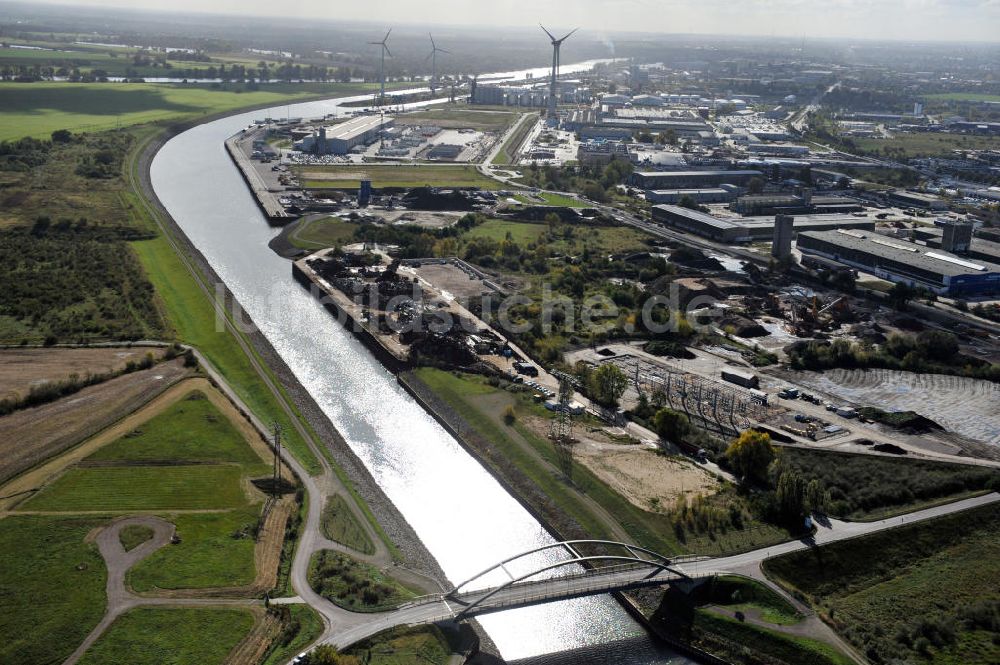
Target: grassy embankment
<point>923,593</point>
<point>863,487</point>
<point>355,585</point>
<point>175,636</point>
<point>38,109</point>
<point>339,524</point>
<point>323,232</point>
<point>739,620</point>
<point>402,176</point>
<point>512,145</point>
<point>564,480</point>
<point>425,645</point>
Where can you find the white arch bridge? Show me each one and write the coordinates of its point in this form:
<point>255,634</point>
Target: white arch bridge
<point>574,574</point>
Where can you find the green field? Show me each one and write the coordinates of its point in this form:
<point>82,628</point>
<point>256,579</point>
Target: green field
<point>924,593</point>
<point>209,554</point>
<point>126,488</point>
<point>522,233</point>
<point>449,118</point>
<point>175,636</point>
<point>927,144</point>
<point>37,109</point>
<point>552,199</point>
<point>51,587</point>
<point>355,585</point>
<point>402,176</point>
<point>339,524</point>
<point>323,232</point>
<point>191,430</point>
<point>965,96</point>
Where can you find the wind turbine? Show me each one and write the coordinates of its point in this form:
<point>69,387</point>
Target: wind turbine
<point>433,58</point>
<point>556,43</point>
<point>381,70</point>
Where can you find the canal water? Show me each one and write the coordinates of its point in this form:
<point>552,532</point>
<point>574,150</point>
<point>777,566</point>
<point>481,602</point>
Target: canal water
<point>462,515</point>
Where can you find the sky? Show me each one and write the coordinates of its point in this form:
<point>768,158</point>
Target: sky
<point>909,20</point>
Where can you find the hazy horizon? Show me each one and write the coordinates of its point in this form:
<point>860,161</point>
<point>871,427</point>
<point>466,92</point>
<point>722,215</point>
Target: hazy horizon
<point>906,20</point>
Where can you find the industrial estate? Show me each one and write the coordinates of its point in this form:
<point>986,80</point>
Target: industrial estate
<point>334,348</point>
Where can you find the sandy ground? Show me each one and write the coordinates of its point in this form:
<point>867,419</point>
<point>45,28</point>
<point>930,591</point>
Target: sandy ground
<point>648,480</point>
<point>29,436</point>
<point>20,369</point>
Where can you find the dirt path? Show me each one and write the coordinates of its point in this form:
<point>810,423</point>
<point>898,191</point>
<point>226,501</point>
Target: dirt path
<point>118,562</point>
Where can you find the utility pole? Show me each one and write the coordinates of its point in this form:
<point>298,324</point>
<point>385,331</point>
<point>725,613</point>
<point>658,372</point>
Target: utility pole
<point>276,428</point>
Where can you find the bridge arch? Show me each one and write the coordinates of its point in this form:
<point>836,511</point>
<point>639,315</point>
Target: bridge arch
<point>632,554</point>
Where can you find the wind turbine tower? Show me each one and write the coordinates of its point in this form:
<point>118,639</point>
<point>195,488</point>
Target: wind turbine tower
<point>381,69</point>
<point>556,43</point>
<point>434,62</point>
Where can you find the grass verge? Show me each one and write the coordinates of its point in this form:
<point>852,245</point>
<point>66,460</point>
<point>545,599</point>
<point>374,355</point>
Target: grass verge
<point>339,524</point>
<point>175,636</point>
<point>51,587</point>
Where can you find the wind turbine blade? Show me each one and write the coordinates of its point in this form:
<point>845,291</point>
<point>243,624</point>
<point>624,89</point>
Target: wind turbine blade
<point>441,50</point>
<point>386,49</point>
<point>568,34</point>
<point>433,45</point>
<point>429,56</point>
<point>387,35</point>
<point>547,32</point>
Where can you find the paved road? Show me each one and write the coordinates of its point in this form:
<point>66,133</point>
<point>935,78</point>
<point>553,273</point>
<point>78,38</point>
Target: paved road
<point>440,608</point>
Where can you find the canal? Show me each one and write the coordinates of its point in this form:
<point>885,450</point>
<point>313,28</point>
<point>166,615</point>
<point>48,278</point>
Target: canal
<point>462,515</point>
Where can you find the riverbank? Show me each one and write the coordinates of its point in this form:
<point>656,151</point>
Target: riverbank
<point>354,471</point>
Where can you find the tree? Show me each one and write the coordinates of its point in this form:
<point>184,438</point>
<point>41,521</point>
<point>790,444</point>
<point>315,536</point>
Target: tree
<point>595,192</point>
<point>687,201</point>
<point>62,136</point>
<point>608,384</point>
<point>671,425</point>
<point>755,186</point>
<point>900,294</point>
<point>817,497</point>
<point>750,455</point>
<point>790,496</point>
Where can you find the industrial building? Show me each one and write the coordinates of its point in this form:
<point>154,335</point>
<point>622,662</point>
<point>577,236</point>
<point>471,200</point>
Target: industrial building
<point>710,195</point>
<point>958,239</point>
<point>692,179</point>
<point>802,203</point>
<point>908,199</point>
<point>898,261</point>
<point>749,229</point>
<point>600,152</point>
<point>339,139</point>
